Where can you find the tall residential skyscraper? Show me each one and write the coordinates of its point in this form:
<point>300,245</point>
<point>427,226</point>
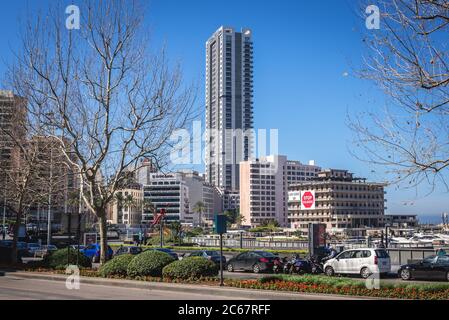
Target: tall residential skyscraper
<point>229,105</point>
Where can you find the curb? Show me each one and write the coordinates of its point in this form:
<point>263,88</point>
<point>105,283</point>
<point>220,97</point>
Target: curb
<point>201,289</point>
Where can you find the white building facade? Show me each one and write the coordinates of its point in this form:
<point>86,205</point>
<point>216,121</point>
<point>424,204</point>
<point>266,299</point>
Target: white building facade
<point>229,105</point>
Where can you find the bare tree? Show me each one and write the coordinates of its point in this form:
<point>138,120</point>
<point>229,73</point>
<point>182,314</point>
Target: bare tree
<point>112,102</point>
<point>408,58</point>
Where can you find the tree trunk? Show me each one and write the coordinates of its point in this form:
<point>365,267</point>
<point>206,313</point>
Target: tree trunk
<point>15,238</point>
<point>103,238</point>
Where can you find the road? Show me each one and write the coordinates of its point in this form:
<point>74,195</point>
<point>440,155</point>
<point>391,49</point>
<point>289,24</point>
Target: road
<point>16,288</point>
<point>12,288</point>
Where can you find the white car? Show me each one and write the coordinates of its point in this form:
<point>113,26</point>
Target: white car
<point>363,261</point>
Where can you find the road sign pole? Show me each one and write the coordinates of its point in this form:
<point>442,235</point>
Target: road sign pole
<point>221,260</point>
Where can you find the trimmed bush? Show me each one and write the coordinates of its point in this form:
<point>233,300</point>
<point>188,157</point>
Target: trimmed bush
<point>190,268</point>
<point>149,263</point>
<point>117,266</point>
<point>58,259</point>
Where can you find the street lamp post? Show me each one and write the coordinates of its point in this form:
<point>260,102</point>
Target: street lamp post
<point>49,197</point>
<point>4,210</point>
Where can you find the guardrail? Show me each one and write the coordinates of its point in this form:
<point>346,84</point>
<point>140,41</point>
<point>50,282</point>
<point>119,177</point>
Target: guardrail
<point>249,243</point>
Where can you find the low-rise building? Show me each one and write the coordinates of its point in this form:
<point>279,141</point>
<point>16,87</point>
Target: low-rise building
<point>337,199</point>
<point>402,220</point>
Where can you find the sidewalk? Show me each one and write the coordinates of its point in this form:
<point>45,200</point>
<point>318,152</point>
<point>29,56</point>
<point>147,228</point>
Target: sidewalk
<point>189,288</point>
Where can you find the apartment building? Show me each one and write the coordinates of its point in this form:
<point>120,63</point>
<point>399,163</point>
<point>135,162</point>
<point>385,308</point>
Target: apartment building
<point>338,199</point>
<point>299,172</point>
<point>128,206</point>
<point>170,192</point>
<point>229,105</point>
<point>263,190</point>
<point>178,193</point>
<point>12,113</point>
<point>231,200</point>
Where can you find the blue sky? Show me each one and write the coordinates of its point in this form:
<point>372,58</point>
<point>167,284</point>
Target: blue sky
<point>305,54</point>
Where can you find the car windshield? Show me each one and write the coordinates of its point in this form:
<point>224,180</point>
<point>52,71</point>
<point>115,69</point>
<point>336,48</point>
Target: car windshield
<point>382,254</point>
<point>212,253</point>
<point>33,245</point>
<point>265,254</point>
<point>429,259</point>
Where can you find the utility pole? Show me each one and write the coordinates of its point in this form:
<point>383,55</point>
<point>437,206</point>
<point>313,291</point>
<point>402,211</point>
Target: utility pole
<point>49,197</point>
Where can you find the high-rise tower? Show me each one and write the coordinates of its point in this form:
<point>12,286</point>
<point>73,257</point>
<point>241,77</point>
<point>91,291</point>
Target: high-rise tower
<point>229,105</point>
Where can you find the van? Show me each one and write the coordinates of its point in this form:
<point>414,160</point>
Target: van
<point>362,261</point>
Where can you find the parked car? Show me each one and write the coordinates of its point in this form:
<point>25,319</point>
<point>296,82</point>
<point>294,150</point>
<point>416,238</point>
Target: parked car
<point>45,250</point>
<point>363,261</point>
<point>211,255</point>
<point>6,243</point>
<point>173,254</point>
<point>75,247</point>
<point>92,251</point>
<point>431,268</point>
<point>256,261</point>
<point>33,247</point>
<point>128,250</point>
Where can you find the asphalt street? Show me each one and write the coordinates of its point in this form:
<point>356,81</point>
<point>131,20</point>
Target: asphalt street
<point>17,288</point>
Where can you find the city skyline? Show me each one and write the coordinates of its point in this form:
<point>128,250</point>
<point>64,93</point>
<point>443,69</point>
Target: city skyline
<point>277,85</point>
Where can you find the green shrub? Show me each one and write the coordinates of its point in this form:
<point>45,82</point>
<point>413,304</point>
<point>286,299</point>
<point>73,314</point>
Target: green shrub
<point>149,263</point>
<point>117,266</point>
<point>58,259</point>
<point>190,268</point>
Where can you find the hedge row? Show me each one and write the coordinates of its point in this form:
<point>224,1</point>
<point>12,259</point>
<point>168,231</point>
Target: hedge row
<point>159,264</point>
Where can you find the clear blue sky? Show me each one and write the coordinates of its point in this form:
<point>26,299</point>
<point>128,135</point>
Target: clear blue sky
<point>305,54</point>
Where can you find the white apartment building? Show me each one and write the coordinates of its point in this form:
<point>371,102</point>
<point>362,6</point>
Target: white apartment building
<point>170,192</point>
<point>229,105</point>
<point>178,193</point>
<point>263,190</point>
<point>264,186</point>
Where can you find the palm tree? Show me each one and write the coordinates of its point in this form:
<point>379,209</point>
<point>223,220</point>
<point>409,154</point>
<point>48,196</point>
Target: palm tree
<point>119,200</point>
<point>199,208</point>
<point>271,226</point>
<point>128,203</point>
<point>176,230</point>
<point>239,220</point>
<point>148,205</point>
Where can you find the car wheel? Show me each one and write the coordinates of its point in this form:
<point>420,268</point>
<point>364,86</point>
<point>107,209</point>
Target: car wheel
<point>230,268</point>
<point>365,273</point>
<point>256,268</point>
<point>329,271</point>
<point>405,274</point>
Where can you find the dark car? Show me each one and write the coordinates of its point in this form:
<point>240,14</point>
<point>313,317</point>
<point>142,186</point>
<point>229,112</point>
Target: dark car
<point>128,250</point>
<point>92,252</point>
<point>173,254</point>
<point>433,268</point>
<point>211,255</point>
<point>256,261</point>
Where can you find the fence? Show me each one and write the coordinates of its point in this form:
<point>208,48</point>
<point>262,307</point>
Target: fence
<point>249,243</point>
